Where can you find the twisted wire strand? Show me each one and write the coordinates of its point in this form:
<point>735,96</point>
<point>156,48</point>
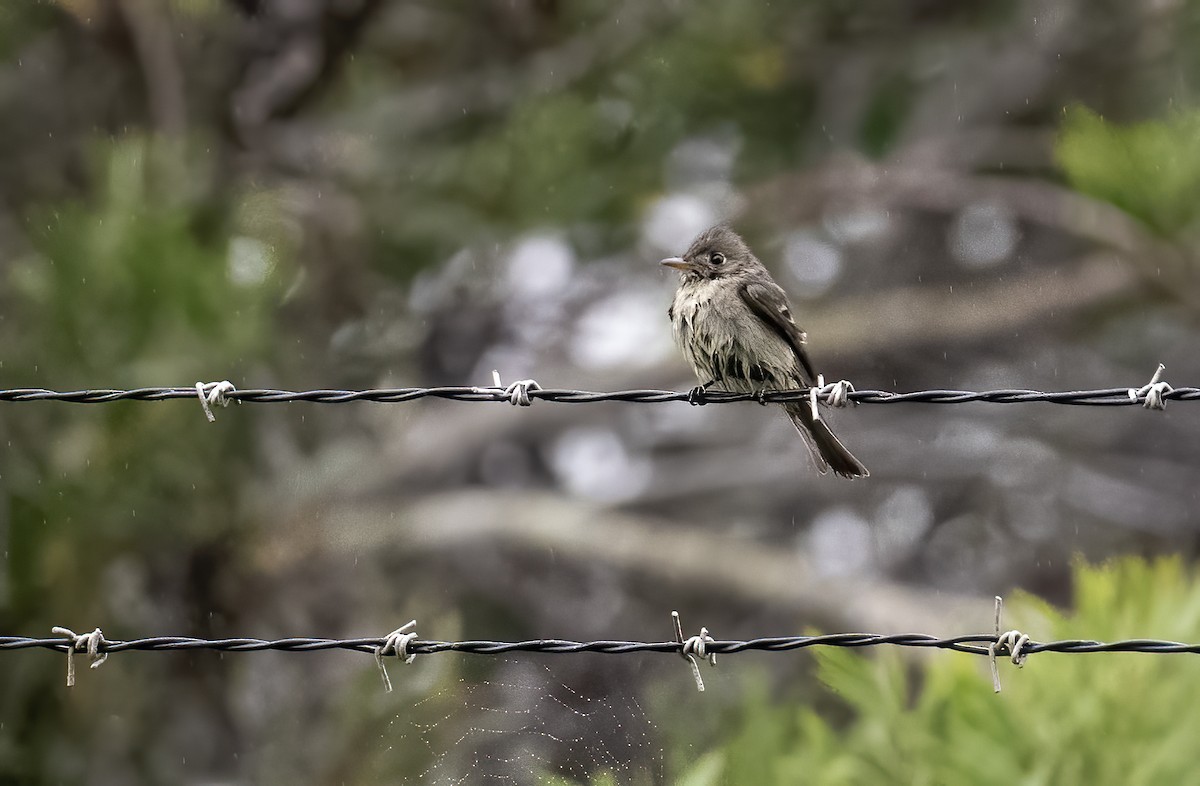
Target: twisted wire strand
<point>974,644</point>
<point>1106,397</point>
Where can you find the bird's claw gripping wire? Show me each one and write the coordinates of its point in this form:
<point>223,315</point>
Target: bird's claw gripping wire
<point>1151,394</point>
<point>396,643</point>
<point>835,394</point>
<point>696,396</point>
<point>517,392</point>
<point>694,647</point>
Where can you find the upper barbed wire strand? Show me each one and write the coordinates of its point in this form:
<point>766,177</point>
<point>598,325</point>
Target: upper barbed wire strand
<point>1106,397</point>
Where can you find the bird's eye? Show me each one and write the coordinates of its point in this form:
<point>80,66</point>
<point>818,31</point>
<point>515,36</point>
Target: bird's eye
<point>716,257</point>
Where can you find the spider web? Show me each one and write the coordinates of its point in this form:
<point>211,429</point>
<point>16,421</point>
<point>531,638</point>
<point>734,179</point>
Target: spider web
<point>526,726</point>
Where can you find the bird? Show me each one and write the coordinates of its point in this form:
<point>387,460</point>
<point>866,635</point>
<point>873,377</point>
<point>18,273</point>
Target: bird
<point>734,326</point>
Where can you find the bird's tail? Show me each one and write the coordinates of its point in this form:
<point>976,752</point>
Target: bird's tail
<point>827,450</point>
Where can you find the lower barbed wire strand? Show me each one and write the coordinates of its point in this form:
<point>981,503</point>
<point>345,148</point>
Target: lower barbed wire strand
<point>975,644</point>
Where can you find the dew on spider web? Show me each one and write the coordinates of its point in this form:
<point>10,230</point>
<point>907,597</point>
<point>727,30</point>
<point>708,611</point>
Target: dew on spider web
<point>526,726</point>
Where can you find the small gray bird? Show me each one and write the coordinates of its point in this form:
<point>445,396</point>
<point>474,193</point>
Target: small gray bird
<point>734,327</point>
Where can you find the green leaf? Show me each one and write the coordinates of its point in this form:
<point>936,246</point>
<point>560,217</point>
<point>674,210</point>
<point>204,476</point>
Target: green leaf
<point>1151,170</point>
<point>706,771</point>
<point>931,718</point>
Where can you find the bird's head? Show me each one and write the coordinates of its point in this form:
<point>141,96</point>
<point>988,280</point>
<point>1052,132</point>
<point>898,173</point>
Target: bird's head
<point>716,253</point>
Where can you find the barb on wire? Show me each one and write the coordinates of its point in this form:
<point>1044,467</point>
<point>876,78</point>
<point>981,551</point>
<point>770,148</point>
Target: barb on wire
<point>1012,643</point>
<point>396,643</point>
<point>1153,395</point>
<point>94,644</point>
<point>214,394</point>
<point>835,394</point>
<point>692,648</point>
<point>518,392</point>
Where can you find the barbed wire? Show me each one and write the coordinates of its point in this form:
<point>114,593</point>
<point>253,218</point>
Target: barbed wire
<point>975,644</point>
<point>404,644</point>
<point>971,643</point>
<point>1105,397</point>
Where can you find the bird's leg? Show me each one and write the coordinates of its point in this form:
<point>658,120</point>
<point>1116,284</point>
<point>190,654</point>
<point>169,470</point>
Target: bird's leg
<point>696,394</point>
<point>759,374</point>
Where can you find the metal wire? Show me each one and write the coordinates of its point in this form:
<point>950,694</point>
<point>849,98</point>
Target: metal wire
<point>975,644</point>
<point>1106,397</point>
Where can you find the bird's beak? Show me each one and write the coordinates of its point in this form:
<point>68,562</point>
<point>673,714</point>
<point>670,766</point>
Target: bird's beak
<point>679,263</point>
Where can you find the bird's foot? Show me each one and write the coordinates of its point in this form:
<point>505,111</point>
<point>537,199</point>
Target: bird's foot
<point>761,397</point>
<point>696,396</point>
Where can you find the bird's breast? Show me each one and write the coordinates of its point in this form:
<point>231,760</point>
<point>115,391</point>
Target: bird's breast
<point>721,339</point>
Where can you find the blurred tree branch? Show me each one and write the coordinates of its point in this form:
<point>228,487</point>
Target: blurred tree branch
<point>883,323</point>
<point>688,556</point>
<point>150,27</point>
<point>496,89</point>
<point>806,197</point>
<point>291,50</point>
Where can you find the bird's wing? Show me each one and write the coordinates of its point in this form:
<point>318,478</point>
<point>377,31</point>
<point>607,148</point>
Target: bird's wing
<point>769,303</point>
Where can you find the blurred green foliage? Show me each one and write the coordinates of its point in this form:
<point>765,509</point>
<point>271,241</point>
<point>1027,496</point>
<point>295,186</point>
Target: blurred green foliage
<point>20,21</point>
<point>1150,169</point>
<point>1095,719</point>
<point>593,153</point>
<point>126,289</point>
<point>599,779</point>
<point>133,282</point>
<point>887,112</point>
<point>149,281</point>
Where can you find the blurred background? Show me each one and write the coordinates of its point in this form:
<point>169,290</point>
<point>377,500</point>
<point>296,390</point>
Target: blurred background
<point>364,193</point>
